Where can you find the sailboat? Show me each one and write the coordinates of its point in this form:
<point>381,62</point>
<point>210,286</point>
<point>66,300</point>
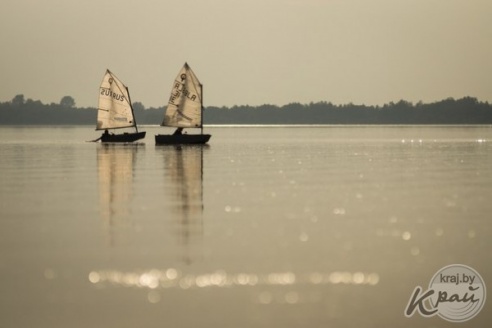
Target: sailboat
<point>115,111</point>
<point>184,110</point>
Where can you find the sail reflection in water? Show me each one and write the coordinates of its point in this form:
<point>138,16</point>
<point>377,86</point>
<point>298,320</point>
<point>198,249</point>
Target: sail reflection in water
<point>183,167</point>
<point>116,164</point>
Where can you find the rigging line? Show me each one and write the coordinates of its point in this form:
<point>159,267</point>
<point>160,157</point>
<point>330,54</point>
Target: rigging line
<point>131,108</point>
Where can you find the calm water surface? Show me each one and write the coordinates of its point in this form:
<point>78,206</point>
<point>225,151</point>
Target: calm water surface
<point>264,227</point>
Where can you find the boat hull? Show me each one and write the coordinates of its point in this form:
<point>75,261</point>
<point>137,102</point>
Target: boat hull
<point>125,137</point>
<point>183,139</point>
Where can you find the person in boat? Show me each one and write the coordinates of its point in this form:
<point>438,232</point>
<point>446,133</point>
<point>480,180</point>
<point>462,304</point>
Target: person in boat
<point>178,132</point>
<point>105,134</point>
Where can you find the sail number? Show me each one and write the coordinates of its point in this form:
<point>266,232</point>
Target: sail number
<point>180,89</point>
<point>110,93</point>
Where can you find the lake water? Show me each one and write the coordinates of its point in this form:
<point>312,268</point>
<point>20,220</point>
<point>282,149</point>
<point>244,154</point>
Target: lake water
<point>329,226</point>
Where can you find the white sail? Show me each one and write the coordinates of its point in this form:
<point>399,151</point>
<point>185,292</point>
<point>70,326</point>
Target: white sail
<point>115,110</point>
<point>184,108</point>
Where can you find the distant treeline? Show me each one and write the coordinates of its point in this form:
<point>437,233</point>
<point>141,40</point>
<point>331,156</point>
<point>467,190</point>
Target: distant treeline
<point>466,110</point>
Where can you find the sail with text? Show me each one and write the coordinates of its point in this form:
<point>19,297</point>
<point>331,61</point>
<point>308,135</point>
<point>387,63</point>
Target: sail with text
<point>184,108</point>
<point>115,110</point>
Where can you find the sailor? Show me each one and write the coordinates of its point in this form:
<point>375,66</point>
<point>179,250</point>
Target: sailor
<point>105,134</point>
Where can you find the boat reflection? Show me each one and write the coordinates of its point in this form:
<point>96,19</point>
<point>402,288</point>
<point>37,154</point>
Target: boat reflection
<point>116,166</point>
<point>183,174</point>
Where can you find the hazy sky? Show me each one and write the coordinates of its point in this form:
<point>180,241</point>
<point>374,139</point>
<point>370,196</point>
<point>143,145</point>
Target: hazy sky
<point>249,52</point>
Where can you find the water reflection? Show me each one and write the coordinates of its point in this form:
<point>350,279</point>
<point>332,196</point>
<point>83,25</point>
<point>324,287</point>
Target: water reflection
<point>116,166</point>
<point>183,174</point>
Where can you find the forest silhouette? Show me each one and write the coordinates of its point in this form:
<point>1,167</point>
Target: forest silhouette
<point>467,110</point>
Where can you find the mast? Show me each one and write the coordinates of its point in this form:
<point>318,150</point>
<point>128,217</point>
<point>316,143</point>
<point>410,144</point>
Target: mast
<point>131,106</point>
<point>201,109</point>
